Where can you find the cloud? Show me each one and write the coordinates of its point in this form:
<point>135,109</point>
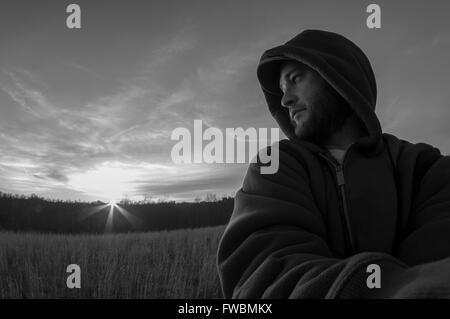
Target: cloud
<point>176,45</point>
<point>23,92</point>
<point>81,68</point>
<point>194,180</point>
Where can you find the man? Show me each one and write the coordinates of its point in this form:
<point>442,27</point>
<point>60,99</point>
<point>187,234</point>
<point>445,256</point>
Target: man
<point>346,195</point>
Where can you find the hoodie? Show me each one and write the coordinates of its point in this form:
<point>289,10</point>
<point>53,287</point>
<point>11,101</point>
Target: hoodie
<point>317,227</point>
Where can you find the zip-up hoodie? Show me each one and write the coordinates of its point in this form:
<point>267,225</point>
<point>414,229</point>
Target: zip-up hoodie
<point>318,229</point>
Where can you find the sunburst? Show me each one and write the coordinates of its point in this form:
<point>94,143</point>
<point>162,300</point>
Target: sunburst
<point>113,207</point>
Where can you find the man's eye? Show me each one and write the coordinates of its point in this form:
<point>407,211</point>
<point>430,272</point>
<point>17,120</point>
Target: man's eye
<point>296,78</point>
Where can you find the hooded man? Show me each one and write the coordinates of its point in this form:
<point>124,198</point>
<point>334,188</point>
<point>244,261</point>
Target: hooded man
<point>346,198</point>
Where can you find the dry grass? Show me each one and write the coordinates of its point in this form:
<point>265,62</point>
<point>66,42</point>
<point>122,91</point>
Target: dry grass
<point>175,264</point>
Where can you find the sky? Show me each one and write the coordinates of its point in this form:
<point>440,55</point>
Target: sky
<point>87,114</point>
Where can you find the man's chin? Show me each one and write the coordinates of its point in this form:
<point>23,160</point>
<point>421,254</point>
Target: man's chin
<point>303,135</point>
<point>309,136</point>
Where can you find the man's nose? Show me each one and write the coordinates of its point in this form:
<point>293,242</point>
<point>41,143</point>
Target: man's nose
<point>288,99</point>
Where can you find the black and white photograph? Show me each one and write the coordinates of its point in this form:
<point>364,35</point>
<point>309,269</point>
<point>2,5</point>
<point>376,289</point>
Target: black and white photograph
<point>220,151</point>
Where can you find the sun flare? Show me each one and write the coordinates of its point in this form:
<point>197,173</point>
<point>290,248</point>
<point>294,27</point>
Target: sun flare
<point>112,202</point>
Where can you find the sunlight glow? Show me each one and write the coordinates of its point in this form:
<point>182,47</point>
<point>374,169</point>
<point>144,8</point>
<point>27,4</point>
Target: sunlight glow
<point>109,180</point>
<point>112,202</point>
<point>113,181</point>
<point>109,221</point>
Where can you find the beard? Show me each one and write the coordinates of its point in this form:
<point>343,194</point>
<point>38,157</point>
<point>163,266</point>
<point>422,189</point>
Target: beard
<point>328,113</point>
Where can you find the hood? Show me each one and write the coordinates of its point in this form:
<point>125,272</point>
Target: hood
<point>340,62</point>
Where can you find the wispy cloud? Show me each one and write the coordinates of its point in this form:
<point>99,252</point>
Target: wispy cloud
<point>82,68</point>
<point>20,87</point>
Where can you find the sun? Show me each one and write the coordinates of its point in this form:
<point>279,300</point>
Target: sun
<point>112,202</point>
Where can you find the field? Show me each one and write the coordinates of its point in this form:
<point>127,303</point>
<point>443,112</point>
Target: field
<point>175,264</point>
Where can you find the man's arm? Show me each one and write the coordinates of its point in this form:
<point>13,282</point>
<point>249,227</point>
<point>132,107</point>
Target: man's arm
<point>428,235</point>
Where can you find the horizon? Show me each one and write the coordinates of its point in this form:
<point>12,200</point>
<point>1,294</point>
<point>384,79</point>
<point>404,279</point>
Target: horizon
<point>209,197</point>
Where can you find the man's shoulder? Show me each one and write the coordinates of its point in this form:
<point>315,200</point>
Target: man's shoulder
<point>403,148</point>
<point>412,158</point>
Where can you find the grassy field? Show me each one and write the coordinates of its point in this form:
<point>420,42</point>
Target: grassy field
<point>175,264</point>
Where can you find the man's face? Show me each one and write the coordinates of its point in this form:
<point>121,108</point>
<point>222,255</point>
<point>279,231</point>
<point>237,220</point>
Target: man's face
<point>316,110</point>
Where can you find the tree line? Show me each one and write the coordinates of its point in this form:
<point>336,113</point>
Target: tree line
<point>36,214</point>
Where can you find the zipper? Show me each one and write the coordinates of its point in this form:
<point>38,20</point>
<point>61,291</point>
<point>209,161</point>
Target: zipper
<point>340,181</point>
